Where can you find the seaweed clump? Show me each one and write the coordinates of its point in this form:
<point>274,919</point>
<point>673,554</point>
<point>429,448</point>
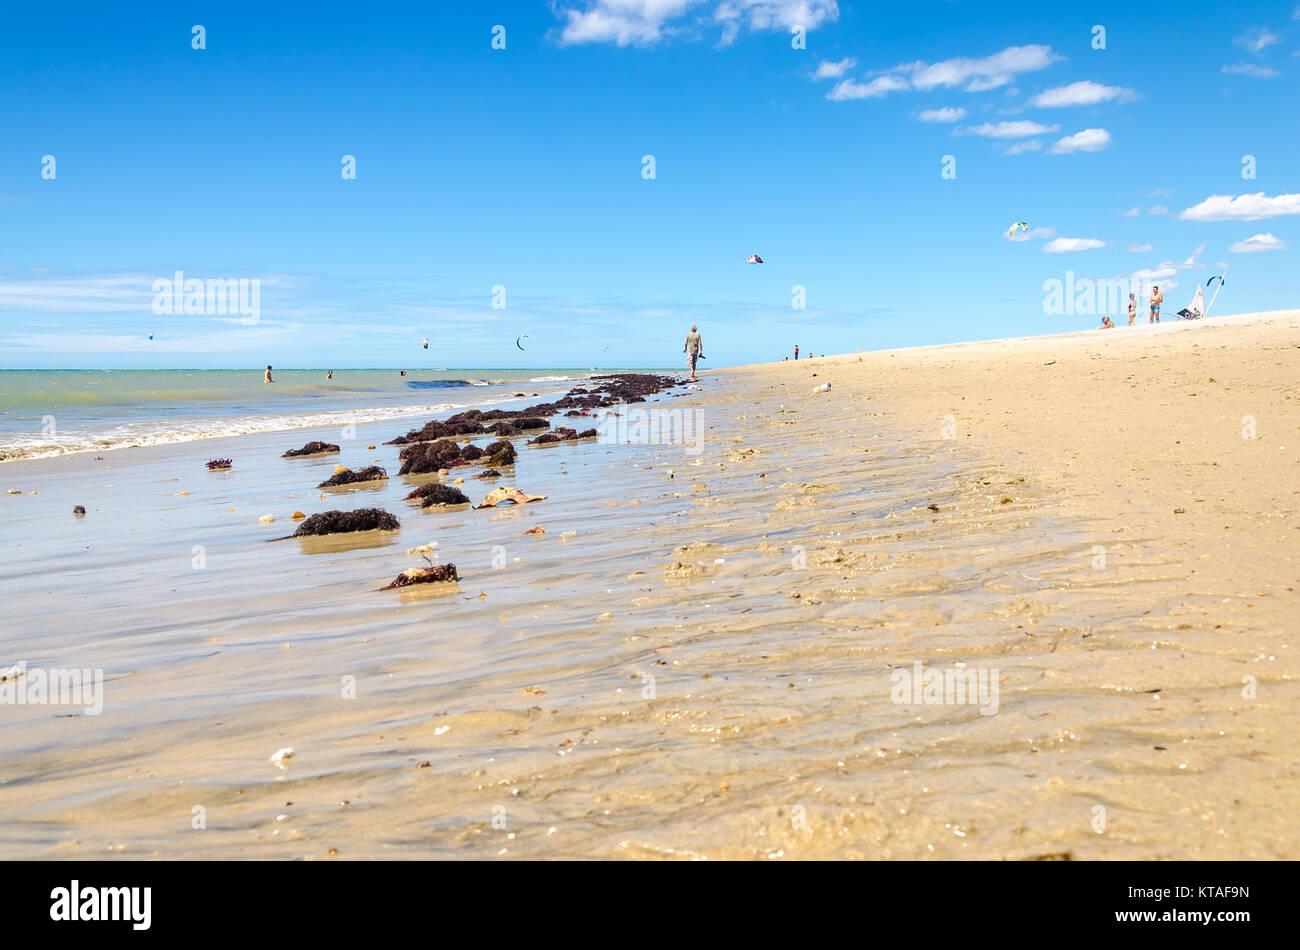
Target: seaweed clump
<point>433,574</point>
<point>424,457</point>
<point>311,448</point>
<point>563,434</point>
<point>345,476</point>
<point>462,424</point>
<point>600,392</point>
<point>499,452</point>
<point>219,464</point>
<point>340,522</point>
<point>438,495</point>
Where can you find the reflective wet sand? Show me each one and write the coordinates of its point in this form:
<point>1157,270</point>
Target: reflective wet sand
<point>698,658</point>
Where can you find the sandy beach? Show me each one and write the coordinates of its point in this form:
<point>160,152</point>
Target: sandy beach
<point>699,657</point>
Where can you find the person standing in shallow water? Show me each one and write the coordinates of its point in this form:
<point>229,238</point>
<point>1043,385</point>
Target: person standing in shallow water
<point>694,348</point>
<point>267,378</point>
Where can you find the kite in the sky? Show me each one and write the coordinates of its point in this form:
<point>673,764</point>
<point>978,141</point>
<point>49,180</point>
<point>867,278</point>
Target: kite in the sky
<point>524,336</point>
<point>753,259</point>
<point>1018,226</point>
<point>1212,280</point>
<point>426,342</point>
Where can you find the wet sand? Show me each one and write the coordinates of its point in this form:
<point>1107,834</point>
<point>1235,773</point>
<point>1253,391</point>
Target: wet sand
<point>697,658</point>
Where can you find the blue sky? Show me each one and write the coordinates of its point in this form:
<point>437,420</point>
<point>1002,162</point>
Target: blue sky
<point>522,168</point>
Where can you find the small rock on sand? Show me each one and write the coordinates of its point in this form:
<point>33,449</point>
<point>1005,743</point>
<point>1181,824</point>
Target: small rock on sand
<point>266,519</point>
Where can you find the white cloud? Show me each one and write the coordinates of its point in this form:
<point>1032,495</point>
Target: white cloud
<point>1019,129</point>
<point>1130,213</point>
<point>852,89</point>
<point>623,22</point>
<point>946,114</point>
<point>1066,245</point>
<point>1140,248</point>
<point>1089,140</point>
<point>645,22</point>
<point>975,75</point>
<point>988,72</point>
<point>1158,210</point>
<point>1259,242</point>
<point>829,70</point>
<point>1155,273</point>
<point>1242,208</point>
<point>1033,145</point>
<point>1256,39</point>
<point>1080,94</point>
<point>1250,69</point>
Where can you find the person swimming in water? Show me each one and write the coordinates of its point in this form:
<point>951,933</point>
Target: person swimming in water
<point>694,348</point>
<point>330,374</point>
<point>268,378</point>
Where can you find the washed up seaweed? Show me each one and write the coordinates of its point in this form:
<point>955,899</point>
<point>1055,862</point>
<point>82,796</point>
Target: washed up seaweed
<point>563,434</point>
<point>311,448</point>
<point>436,573</point>
<point>340,522</point>
<point>431,495</point>
<point>346,476</point>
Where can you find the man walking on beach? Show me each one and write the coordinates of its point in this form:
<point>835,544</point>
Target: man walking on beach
<point>1157,298</point>
<point>694,348</point>
<point>796,351</point>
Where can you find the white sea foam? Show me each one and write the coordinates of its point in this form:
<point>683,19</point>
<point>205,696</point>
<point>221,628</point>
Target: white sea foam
<point>128,435</point>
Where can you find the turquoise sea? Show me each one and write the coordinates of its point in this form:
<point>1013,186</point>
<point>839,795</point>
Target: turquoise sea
<point>53,412</point>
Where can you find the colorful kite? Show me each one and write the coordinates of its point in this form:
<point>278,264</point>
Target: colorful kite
<point>753,259</point>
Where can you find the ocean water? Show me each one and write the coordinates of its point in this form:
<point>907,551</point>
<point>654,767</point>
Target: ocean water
<point>45,413</point>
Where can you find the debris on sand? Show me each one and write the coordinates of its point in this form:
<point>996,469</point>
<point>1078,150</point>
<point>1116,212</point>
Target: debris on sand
<point>434,574</point>
<point>424,550</point>
<point>79,511</point>
<point>431,495</point>
<point>600,392</point>
<point>339,522</point>
<point>423,458</point>
<point>536,529</point>
<point>266,519</point>
<point>508,493</point>
<point>462,424</point>
<point>563,434</point>
<point>219,464</point>
<point>311,448</point>
<point>283,756</point>
<point>693,560</point>
<point>499,453</point>
<point>445,454</point>
<point>298,516</point>
<point>345,476</point>
<point>823,388</point>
